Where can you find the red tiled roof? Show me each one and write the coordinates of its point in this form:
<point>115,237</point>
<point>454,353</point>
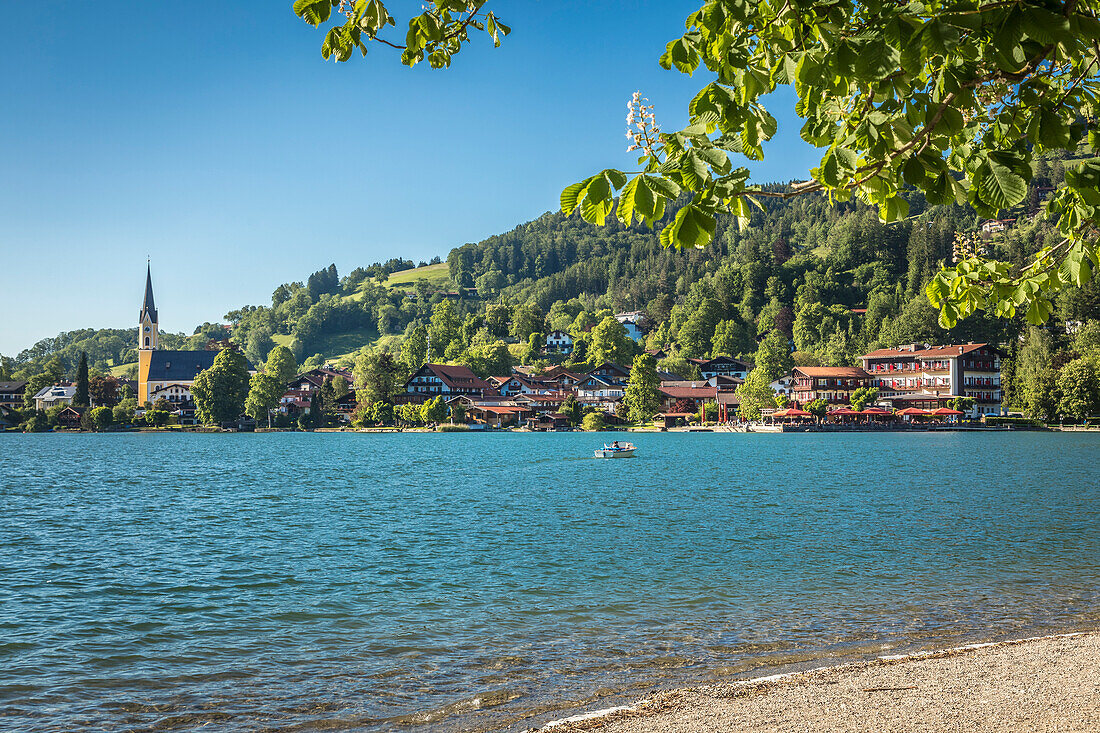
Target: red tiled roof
<point>932,351</point>
<point>693,393</point>
<point>833,372</point>
<point>458,376</point>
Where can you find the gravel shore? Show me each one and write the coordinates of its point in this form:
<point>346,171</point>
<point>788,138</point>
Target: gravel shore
<point>1045,684</point>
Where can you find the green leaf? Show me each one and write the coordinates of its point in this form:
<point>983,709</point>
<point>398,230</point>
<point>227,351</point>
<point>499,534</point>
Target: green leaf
<point>314,12</point>
<point>690,228</point>
<point>913,172</point>
<point>663,186</point>
<point>570,196</point>
<point>1038,311</point>
<point>338,44</point>
<point>938,288</point>
<point>893,209</point>
<point>999,186</point>
<point>625,210</point>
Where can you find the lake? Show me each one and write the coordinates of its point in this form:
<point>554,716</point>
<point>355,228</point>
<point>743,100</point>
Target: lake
<point>407,581</point>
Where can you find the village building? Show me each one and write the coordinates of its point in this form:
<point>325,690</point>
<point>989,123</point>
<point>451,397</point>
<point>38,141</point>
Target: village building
<point>559,342</point>
<point>603,388</point>
<point>686,396</point>
<point>431,380</point>
<point>835,385</point>
<point>496,411</point>
<point>179,400</point>
<point>995,226</point>
<point>546,422</point>
<point>519,384</point>
<point>921,373</point>
<point>725,384</point>
<point>562,378</point>
<point>612,372</point>
<point>635,323</point>
<point>11,394</point>
<point>299,394</point>
<point>726,366</point>
<point>70,417</point>
<point>159,369</point>
<point>54,396</point>
<point>543,403</point>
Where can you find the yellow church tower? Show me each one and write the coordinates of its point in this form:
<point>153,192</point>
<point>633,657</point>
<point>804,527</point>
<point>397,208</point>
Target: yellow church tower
<point>147,338</point>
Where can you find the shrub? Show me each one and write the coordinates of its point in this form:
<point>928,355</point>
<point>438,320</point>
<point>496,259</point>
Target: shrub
<point>1020,422</point>
<point>593,421</point>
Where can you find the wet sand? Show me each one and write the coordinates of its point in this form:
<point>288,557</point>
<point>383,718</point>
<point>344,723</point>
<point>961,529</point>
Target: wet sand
<point>1043,684</point>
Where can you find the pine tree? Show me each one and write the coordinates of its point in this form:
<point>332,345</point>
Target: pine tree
<point>80,397</point>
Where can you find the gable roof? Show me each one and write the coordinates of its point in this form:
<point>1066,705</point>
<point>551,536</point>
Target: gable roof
<point>57,391</point>
<point>722,359</point>
<point>181,366</point>
<point>13,386</point>
<point>924,351</point>
<point>455,376</point>
<point>687,392</point>
<point>318,376</point>
<point>832,372</point>
<point>609,366</point>
<point>558,370</point>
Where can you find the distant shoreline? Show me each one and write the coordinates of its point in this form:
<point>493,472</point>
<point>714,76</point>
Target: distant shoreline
<point>175,430</point>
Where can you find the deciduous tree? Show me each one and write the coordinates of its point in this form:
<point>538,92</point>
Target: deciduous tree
<point>610,342</point>
<point>264,392</point>
<point>220,391</point>
<point>642,397</point>
<point>103,390</point>
<point>281,364</point>
<point>1079,389</point>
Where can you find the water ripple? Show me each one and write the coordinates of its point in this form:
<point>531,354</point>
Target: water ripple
<point>294,582</point>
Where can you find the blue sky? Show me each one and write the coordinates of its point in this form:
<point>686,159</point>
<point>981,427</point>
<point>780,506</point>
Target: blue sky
<point>213,138</point>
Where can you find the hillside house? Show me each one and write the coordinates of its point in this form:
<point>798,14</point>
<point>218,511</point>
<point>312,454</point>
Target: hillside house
<point>725,366</point>
<point>559,342</point>
<point>11,394</point>
<point>431,380</point>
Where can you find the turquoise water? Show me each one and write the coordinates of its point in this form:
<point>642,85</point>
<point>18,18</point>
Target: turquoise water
<point>296,581</point>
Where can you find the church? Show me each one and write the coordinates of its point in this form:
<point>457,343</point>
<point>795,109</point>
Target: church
<point>167,374</point>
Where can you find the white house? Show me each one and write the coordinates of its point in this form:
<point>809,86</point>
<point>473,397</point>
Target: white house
<point>594,387</point>
<point>783,385</point>
<point>58,394</point>
<point>560,342</point>
<point>634,322</point>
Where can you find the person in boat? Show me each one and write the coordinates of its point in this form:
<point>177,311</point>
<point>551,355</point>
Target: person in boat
<point>615,445</point>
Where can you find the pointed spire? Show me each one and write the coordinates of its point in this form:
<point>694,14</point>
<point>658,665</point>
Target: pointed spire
<point>148,306</point>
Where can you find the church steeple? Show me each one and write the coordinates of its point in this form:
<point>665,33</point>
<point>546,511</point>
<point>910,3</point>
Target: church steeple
<point>147,319</point>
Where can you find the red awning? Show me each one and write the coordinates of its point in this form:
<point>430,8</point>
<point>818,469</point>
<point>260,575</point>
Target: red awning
<point>843,411</point>
<point>874,411</point>
<point>791,412</point>
<point>946,411</point>
<point>914,411</point>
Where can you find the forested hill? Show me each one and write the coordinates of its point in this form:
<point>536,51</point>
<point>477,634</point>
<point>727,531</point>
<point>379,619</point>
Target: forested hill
<point>828,275</point>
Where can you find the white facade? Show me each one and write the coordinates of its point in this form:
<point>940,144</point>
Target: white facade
<point>48,397</point>
<point>559,341</point>
<point>632,322</point>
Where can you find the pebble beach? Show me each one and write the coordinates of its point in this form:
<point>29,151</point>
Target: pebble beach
<point>1041,684</point>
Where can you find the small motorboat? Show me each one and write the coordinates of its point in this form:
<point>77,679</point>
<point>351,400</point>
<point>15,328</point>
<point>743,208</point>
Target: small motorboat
<point>616,450</point>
